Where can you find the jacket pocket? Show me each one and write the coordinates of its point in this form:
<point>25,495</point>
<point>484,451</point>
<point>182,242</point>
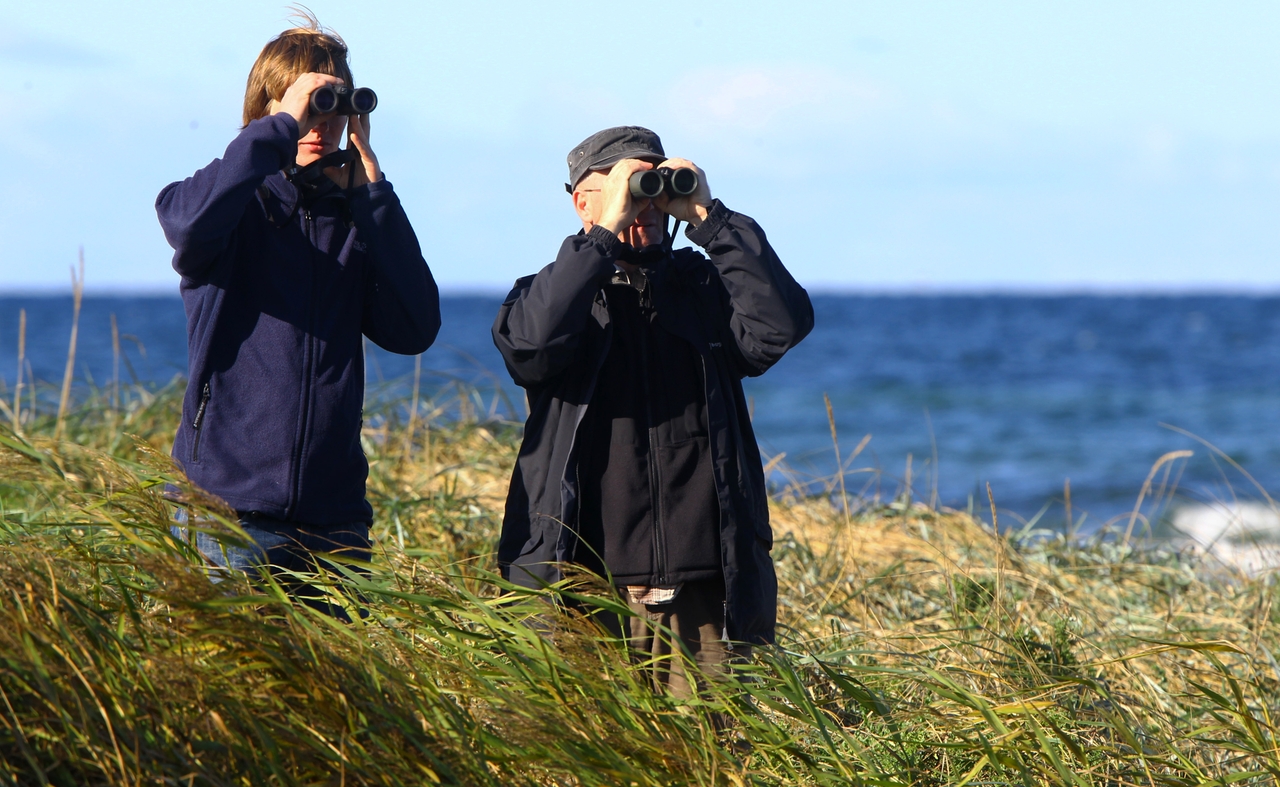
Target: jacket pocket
<point>532,547</point>
<point>197,424</point>
<point>534,567</point>
<point>689,506</point>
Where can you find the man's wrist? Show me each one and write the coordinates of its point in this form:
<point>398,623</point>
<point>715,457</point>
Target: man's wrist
<point>607,240</point>
<point>614,224</point>
<point>703,232</point>
<point>700,215</point>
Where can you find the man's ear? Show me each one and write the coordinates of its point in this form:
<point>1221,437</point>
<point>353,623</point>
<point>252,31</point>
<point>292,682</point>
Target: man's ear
<point>583,210</point>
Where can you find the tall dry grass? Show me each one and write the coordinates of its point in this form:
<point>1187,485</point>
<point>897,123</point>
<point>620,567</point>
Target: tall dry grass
<point>916,646</point>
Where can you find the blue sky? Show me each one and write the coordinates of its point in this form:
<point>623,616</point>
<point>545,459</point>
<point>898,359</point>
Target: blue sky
<point>903,146</point>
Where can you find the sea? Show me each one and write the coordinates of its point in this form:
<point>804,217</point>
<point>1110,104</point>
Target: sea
<point>962,401</point>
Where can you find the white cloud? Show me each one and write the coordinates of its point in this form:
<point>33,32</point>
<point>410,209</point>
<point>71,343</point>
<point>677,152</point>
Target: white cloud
<point>763,99</point>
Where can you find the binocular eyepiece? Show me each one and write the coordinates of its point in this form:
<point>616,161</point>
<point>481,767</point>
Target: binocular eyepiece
<point>343,100</point>
<point>649,183</point>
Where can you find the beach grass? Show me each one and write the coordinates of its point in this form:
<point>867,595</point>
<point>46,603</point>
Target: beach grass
<point>916,646</point>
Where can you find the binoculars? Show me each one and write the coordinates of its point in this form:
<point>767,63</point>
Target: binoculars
<point>343,100</point>
<point>649,183</point>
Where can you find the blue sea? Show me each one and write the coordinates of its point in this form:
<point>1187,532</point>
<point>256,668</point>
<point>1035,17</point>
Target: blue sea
<point>1019,393</point>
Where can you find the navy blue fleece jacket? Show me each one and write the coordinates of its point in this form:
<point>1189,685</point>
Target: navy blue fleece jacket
<point>278,290</point>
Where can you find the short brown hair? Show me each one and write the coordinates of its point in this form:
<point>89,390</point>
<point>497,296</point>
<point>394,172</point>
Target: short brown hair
<point>288,56</point>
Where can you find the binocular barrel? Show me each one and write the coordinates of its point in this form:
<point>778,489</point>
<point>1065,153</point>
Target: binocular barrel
<point>649,183</point>
<point>343,100</point>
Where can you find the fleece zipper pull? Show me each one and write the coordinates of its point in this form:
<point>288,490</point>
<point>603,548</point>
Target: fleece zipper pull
<point>195,423</point>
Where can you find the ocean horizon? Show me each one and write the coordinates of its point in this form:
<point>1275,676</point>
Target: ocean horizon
<point>956,390</point>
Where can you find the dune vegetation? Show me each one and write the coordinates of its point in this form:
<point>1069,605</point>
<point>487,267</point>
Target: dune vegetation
<point>916,645</point>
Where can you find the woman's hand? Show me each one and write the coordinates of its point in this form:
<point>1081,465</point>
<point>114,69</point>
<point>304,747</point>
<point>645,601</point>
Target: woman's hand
<point>365,165</point>
<point>297,100</point>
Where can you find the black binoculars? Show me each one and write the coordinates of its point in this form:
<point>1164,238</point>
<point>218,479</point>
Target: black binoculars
<point>649,183</point>
<point>343,100</point>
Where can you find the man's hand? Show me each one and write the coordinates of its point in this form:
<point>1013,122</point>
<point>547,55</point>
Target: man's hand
<point>297,100</point>
<point>692,208</point>
<point>620,209</point>
<point>366,165</point>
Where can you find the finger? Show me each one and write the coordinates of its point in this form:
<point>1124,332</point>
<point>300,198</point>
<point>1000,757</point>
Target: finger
<point>628,166</point>
<point>367,158</point>
<point>311,82</point>
<point>360,124</point>
<point>360,133</point>
<point>361,145</point>
<point>622,172</point>
<point>682,163</point>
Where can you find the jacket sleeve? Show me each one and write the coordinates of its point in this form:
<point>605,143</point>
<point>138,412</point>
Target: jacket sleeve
<point>401,301</point>
<point>199,215</point>
<point>769,313</point>
<point>541,322</point>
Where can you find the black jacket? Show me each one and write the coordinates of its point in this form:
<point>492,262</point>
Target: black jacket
<point>741,310</point>
<point>648,511</point>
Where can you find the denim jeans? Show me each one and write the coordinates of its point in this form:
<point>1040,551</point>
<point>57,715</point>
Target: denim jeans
<point>286,550</point>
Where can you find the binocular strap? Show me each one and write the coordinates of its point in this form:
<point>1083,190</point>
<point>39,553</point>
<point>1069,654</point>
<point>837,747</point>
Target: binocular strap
<point>307,178</point>
<point>669,238</point>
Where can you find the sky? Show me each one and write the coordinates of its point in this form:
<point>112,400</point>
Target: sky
<point>926,146</point>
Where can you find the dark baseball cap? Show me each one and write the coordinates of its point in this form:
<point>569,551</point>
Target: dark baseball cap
<point>605,148</point>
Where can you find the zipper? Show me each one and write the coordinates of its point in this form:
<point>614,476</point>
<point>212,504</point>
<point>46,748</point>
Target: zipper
<point>655,473</point>
<point>655,498</point>
<point>195,423</point>
<point>295,486</point>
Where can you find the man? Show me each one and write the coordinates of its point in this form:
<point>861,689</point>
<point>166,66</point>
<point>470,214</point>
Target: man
<point>638,460</point>
<point>288,256</point>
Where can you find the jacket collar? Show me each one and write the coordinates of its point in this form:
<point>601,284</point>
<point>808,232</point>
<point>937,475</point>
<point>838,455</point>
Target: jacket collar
<point>675,306</point>
<point>289,192</point>
<point>291,197</point>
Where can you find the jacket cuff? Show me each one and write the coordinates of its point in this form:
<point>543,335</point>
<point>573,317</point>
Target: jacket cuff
<point>704,233</point>
<point>374,192</point>
<point>280,130</point>
<point>290,125</point>
<point>606,240</point>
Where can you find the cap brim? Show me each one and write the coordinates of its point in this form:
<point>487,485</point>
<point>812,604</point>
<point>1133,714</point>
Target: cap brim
<point>609,161</point>
<point>642,155</point>
<point>606,163</point>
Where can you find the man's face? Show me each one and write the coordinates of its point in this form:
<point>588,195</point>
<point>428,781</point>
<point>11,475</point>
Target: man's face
<point>321,140</point>
<point>646,230</point>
